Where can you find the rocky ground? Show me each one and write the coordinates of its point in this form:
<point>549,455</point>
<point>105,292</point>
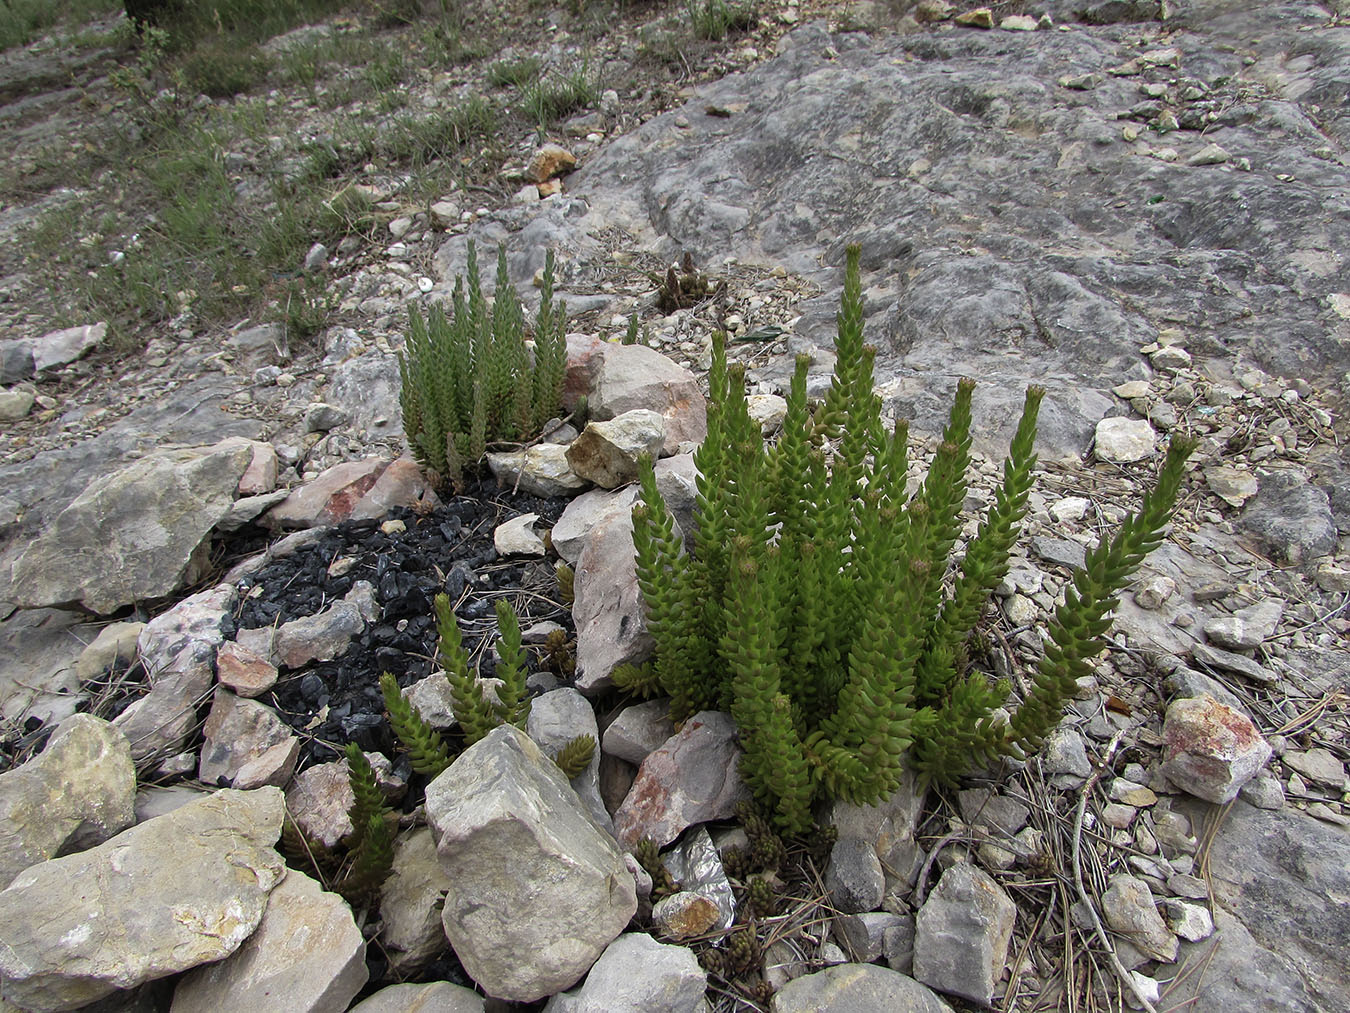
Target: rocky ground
<point>1142,208</point>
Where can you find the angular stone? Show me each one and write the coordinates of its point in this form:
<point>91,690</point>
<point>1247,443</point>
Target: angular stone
<point>260,477</point>
<point>132,535</point>
<point>635,376</point>
<point>639,729</point>
<point>888,826</point>
<point>402,484</point>
<point>961,934</point>
<point>1210,154</point>
<point>541,470</point>
<point>854,878</point>
<point>410,903</point>
<point>1290,516</point>
<point>1189,921</point>
<point>1247,628</point>
<point>353,490</point>
<point>980,805</point>
<point>434,700</point>
<point>1320,765</point>
<point>1210,750</point>
<point>1227,661</point>
<point>1231,485</point>
<point>237,732</point>
<point>307,948</point>
<point>15,404</point>
<point>537,890</point>
<point>58,348</point>
<point>607,453</point>
<point>320,637</point>
<point>1064,754</point>
<point>693,778</point>
<point>177,650</point>
<point>517,537</point>
<point>556,718</point>
<point>273,766</point>
<point>675,477</point>
<point>637,974</point>
<point>1123,441</point>
<point>863,936</point>
<point>684,915</point>
<point>318,799</point>
<point>550,160</point>
<point>856,988</point>
<point>114,647</point>
<point>1128,908</point>
<point>897,944</point>
<point>77,793</point>
<point>608,609</point>
<point>979,17</point>
<point>244,672</point>
<point>437,997</point>
<point>180,890</point>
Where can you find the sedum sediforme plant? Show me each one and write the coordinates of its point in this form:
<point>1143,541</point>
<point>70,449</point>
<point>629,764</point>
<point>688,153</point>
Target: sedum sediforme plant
<point>469,379</point>
<point>815,607</point>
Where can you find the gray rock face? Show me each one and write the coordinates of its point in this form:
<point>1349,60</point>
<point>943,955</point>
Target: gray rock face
<point>410,903</point>
<point>856,988</point>
<point>134,534</point>
<point>1291,516</point>
<point>183,889</point>
<point>307,948</point>
<point>1071,273</point>
<point>607,453</point>
<point>537,890</point>
<point>238,731</point>
<point>632,377</point>
<point>639,729</point>
<point>555,719</point>
<point>1129,909</point>
<point>636,974</point>
<point>962,932</point>
<point>888,826</point>
<point>854,877</point>
<point>78,793</point>
<point>438,997</point>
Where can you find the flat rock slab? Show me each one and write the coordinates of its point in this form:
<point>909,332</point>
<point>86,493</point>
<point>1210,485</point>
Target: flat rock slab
<point>857,988</point>
<point>537,890</point>
<point>637,974</point>
<point>180,890</point>
<point>133,535</point>
<point>306,951</point>
<point>77,793</point>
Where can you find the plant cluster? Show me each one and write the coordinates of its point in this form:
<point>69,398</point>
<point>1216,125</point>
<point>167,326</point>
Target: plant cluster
<point>813,608</point>
<point>469,380</point>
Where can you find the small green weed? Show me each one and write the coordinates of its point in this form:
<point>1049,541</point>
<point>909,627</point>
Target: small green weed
<point>221,68</point>
<point>22,21</point>
<point>714,20</point>
<point>550,98</point>
<point>513,73</point>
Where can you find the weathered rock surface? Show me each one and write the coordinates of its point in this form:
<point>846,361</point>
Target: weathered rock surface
<point>962,932</point>
<point>632,377</point>
<point>1211,750</point>
<point>636,974</point>
<point>854,878</point>
<point>134,534</point>
<point>607,453</point>
<point>410,903</point>
<point>556,718</point>
<point>1129,909</point>
<point>76,794</point>
<point>306,949</point>
<point>537,890</point>
<point>238,732</point>
<point>1291,516</point>
<point>611,630</point>
<point>542,470</point>
<point>180,890</point>
<point>856,988</point>
<point>639,729</point>
<point>693,778</point>
<point>438,997</point>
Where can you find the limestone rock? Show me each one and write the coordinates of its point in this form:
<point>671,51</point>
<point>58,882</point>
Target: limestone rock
<point>318,799</point>
<point>410,903</point>
<point>78,792</point>
<point>693,778</point>
<point>15,404</point>
<point>607,453</point>
<point>639,729</point>
<point>856,988</point>
<point>1122,441</point>
<point>635,376</point>
<point>555,719</point>
<point>537,890</point>
<point>113,648</point>
<point>888,826</point>
<point>1291,516</point>
<point>238,732</point>
<point>608,610</point>
<point>353,490</point>
<point>979,17</point>
<point>438,997</point>
<point>1247,628</point>
<point>863,935</point>
<point>1214,659</point>
<point>1128,908</point>
<point>854,878</point>
<point>180,890</point>
<point>307,948</point>
<point>1232,486</point>
<point>542,470</point>
<point>177,650</point>
<point>516,537</point>
<point>134,534</point>
<point>675,478</point>
<point>962,932</point>
<point>637,974</point>
<point>1210,750</point>
<point>244,672</point>
<point>550,160</point>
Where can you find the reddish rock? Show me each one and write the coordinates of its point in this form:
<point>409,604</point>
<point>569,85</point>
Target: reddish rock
<point>261,474</point>
<point>402,484</point>
<point>549,161</point>
<point>585,356</point>
<point>329,498</point>
<point>684,915</point>
<point>695,777</point>
<point>1211,750</point>
<point>244,672</point>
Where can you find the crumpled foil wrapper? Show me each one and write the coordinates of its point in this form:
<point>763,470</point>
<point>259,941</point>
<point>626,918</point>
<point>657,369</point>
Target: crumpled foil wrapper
<point>697,867</point>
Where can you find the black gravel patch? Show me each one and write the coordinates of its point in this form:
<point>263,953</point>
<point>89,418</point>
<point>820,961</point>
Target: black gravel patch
<point>448,550</point>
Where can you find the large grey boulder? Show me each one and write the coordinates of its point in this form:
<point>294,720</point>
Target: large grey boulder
<point>307,951</point>
<point>180,890</point>
<point>536,889</point>
<point>80,791</point>
<point>636,974</point>
<point>135,534</point>
<point>962,932</point>
<point>437,997</point>
<point>856,988</point>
